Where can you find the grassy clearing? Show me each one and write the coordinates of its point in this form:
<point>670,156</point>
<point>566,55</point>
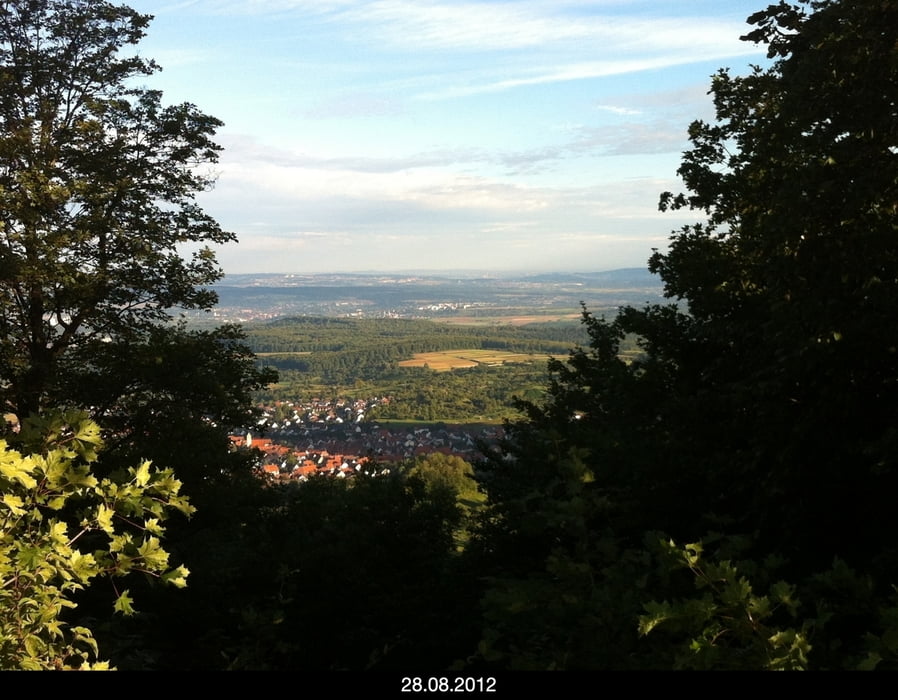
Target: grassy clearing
<point>456,359</point>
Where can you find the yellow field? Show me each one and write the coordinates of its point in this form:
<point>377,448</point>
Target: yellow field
<point>517,320</point>
<point>276,355</point>
<point>455,359</point>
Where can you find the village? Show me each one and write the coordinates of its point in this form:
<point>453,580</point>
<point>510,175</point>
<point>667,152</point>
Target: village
<point>321,437</point>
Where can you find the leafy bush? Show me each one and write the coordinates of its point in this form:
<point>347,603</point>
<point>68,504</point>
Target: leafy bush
<point>61,528</point>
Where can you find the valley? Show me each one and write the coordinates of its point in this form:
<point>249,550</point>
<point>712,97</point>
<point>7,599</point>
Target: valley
<point>468,299</point>
<point>380,364</point>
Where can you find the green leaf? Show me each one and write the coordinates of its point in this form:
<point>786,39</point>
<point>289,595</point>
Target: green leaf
<point>57,533</point>
<point>41,567</point>
<point>177,577</point>
<point>153,555</point>
<point>124,604</point>
<point>14,503</point>
<point>142,474</point>
<point>657,613</point>
<point>83,566</point>
<point>692,553</point>
<point>56,503</point>
<point>784,594</point>
<point>104,518</point>
<point>17,469</point>
<point>869,662</point>
<point>737,591</point>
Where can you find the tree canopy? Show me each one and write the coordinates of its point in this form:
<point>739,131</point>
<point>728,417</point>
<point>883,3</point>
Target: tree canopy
<point>98,204</point>
<point>791,281</point>
<point>98,196</point>
<point>46,555</point>
<point>98,185</point>
<point>760,416</point>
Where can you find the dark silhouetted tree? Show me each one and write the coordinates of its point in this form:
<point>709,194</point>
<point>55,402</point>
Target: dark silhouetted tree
<point>764,402</point>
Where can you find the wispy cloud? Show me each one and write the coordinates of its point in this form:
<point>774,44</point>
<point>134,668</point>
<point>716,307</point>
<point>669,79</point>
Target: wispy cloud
<point>622,111</point>
<point>548,40</point>
<point>557,74</point>
<point>491,26</point>
<point>355,105</point>
<point>631,138</point>
<point>390,133</point>
<point>438,26</point>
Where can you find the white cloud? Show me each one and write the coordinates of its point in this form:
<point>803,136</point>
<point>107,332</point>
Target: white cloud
<point>622,111</point>
<point>483,26</point>
<point>340,154</point>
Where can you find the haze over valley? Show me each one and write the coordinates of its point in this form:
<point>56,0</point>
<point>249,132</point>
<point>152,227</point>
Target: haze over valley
<point>460,297</point>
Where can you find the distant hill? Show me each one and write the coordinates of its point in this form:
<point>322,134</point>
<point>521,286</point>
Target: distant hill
<point>477,298</point>
<point>628,277</point>
<point>623,278</point>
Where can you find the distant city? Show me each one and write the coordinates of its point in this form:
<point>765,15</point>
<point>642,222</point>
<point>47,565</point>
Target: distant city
<point>245,298</point>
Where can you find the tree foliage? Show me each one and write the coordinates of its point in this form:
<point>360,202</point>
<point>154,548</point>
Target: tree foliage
<point>98,185</point>
<point>98,214</point>
<point>61,528</point>
<point>330,574</point>
<point>791,282</point>
<point>763,405</point>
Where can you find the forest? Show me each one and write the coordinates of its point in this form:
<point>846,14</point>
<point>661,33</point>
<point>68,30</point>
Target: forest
<point>720,499</point>
<point>317,356</point>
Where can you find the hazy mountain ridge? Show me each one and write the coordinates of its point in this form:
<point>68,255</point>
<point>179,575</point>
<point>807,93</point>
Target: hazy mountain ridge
<point>627,277</point>
<point>258,296</point>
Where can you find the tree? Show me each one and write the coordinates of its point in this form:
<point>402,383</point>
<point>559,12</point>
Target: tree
<point>46,554</point>
<point>171,396</point>
<point>98,200</point>
<point>449,476</point>
<point>764,402</point>
<point>450,473</point>
<point>98,184</point>
<point>791,283</point>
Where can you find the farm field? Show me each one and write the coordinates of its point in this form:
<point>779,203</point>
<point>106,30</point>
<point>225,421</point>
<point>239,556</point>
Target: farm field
<point>446,360</point>
<point>515,319</point>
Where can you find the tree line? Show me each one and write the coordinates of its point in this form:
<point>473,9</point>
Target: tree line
<point>314,353</point>
<point>404,337</point>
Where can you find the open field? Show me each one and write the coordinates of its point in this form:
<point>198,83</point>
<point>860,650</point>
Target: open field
<point>282,355</point>
<point>517,319</point>
<point>456,359</point>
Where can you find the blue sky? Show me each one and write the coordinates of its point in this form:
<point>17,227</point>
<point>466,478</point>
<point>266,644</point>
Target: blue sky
<point>410,135</point>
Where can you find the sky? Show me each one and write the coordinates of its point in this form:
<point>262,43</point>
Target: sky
<point>433,136</point>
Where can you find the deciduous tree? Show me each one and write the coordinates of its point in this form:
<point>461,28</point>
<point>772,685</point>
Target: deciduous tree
<point>98,205</point>
<point>792,280</point>
<point>61,528</point>
<point>98,185</point>
<point>764,403</point>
